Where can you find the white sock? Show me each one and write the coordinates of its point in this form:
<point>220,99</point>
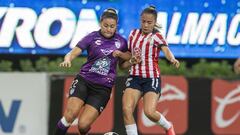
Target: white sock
<point>164,122</point>
<point>64,122</point>
<point>131,129</point>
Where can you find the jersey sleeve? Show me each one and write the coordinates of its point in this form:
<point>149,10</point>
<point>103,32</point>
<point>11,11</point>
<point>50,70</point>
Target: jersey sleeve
<point>160,40</point>
<point>85,41</point>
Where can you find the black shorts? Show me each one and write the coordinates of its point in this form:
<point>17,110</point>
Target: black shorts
<point>92,94</point>
<point>144,84</point>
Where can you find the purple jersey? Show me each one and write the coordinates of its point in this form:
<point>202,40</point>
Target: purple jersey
<point>100,67</point>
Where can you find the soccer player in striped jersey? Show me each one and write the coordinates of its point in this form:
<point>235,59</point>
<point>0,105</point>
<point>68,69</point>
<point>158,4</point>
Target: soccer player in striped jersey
<point>144,79</point>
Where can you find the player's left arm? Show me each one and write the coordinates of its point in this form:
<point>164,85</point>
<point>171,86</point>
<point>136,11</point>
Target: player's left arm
<point>123,55</point>
<point>127,64</point>
<point>169,55</point>
<point>129,60</point>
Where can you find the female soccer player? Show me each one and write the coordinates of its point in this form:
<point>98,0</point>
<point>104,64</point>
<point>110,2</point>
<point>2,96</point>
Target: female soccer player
<point>91,89</point>
<point>144,80</point>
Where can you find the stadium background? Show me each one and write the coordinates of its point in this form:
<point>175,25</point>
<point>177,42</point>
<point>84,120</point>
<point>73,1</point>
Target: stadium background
<point>194,29</point>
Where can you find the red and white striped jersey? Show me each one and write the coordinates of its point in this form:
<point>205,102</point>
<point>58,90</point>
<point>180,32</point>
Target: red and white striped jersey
<point>149,46</point>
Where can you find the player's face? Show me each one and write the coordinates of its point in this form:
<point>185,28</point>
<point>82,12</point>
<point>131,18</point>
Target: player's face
<point>147,23</point>
<point>108,27</point>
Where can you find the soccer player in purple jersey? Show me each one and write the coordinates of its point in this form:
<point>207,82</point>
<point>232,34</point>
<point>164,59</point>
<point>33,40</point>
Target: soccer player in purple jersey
<point>91,89</point>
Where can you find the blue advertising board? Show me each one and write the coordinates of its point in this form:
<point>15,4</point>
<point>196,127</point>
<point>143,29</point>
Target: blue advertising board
<point>193,29</point>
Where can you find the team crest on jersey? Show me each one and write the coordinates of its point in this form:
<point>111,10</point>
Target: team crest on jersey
<point>117,44</point>
<point>149,39</point>
<point>98,42</point>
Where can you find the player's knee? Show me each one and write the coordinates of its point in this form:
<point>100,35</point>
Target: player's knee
<point>149,113</point>
<point>127,110</point>
<point>70,115</point>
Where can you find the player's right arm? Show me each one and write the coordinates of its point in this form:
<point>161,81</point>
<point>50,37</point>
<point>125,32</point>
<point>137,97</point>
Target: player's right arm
<point>70,56</point>
<point>132,61</point>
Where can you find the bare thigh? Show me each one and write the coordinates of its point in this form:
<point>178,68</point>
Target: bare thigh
<point>150,100</point>
<point>130,98</point>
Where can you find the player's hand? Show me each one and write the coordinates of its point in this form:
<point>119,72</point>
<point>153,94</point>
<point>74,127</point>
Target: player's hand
<point>65,63</point>
<point>117,53</point>
<point>175,63</point>
<point>135,60</point>
<point>136,56</point>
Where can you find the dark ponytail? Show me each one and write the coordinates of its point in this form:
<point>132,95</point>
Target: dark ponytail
<point>110,13</point>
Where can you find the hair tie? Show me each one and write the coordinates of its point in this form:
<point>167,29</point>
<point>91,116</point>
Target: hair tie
<point>152,7</point>
<point>111,10</point>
